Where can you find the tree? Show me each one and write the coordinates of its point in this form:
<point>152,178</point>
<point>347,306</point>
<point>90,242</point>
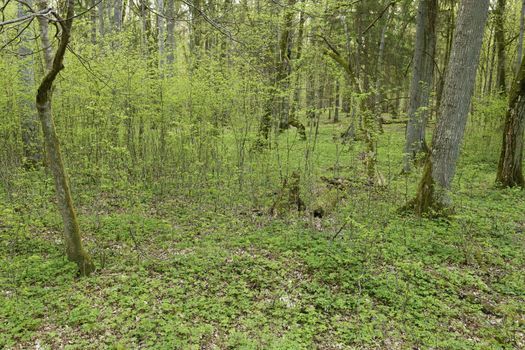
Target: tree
<point>31,139</point>
<point>520,39</point>
<point>510,171</point>
<point>440,167</point>
<point>74,249</point>
<point>421,84</point>
<point>499,35</point>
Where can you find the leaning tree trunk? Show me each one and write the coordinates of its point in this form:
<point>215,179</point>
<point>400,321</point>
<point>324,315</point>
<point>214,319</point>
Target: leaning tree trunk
<point>510,171</point>
<point>433,192</point>
<point>500,47</point>
<point>421,84</point>
<point>75,251</point>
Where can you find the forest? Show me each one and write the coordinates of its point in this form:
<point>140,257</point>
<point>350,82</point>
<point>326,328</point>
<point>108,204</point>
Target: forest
<point>262,174</point>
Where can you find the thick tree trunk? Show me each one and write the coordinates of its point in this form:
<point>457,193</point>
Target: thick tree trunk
<point>75,251</point>
<point>31,140</point>
<point>510,172</point>
<point>500,47</point>
<point>433,192</point>
<point>421,84</point>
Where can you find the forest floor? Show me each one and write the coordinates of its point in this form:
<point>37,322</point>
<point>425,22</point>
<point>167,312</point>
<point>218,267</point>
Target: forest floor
<point>180,274</point>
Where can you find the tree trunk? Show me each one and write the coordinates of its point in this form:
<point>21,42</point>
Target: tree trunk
<point>31,139</point>
<point>160,21</point>
<point>117,16</point>
<point>510,171</point>
<point>433,192</point>
<point>378,104</point>
<point>101,28</point>
<point>520,42</point>
<point>500,47</point>
<point>75,251</point>
<point>196,27</point>
<point>93,19</point>
<point>337,101</point>
<point>170,32</point>
<point>421,84</point>
<point>450,35</point>
<point>44,37</point>
<point>284,66</point>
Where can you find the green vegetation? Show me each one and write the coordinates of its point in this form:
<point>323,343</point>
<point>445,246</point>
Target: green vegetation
<point>184,273</point>
<point>262,174</point>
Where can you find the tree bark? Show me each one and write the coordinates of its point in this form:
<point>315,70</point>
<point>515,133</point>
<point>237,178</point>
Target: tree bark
<point>433,192</point>
<point>93,19</point>
<point>500,47</point>
<point>510,171</point>
<point>75,251</point>
<point>519,56</point>
<point>44,37</point>
<point>337,101</point>
<point>31,140</point>
<point>451,22</point>
<point>170,32</point>
<point>160,21</point>
<point>101,28</point>
<point>117,15</point>
<point>421,84</point>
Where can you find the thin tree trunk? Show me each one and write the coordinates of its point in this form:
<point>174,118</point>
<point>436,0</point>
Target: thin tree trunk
<point>519,56</point>
<point>196,34</point>
<point>433,192</point>
<point>31,140</point>
<point>117,15</point>
<point>101,28</point>
<point>421,84</point>
<point>491,67</point>
<point>510,171</point>
<point>170,32</point>
<point>160,21</point>
<point>44,37</point>
<point>379,73</point>
<point>337,101</point>
<point>93,18</point>
<point>486,89</point>
<point>293,118</point>
<point>450,35</point>
<point>75,251</point>
<point>500,47</point>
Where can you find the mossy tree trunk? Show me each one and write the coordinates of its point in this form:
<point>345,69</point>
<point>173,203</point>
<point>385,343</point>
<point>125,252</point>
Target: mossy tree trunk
<point>510,172</point>
<point>75,251</point>
<point>433,192</point>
